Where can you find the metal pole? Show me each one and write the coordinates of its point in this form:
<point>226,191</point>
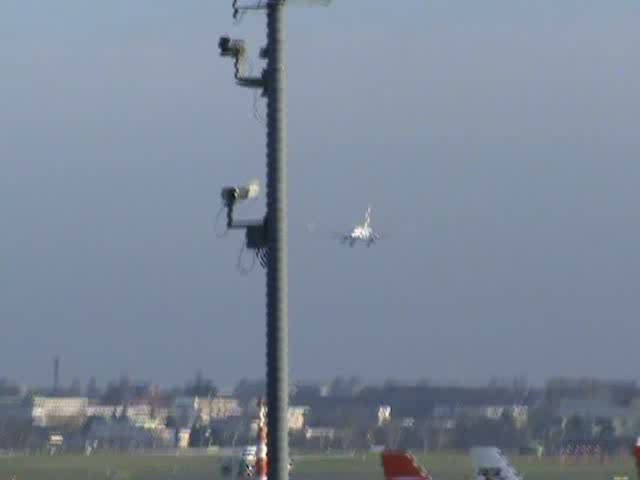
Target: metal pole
<point>277,268</point>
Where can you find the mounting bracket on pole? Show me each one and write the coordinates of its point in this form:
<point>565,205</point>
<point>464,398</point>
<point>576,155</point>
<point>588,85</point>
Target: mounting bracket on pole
<point>239,10</point>
<point>236,49</point>
<point>255,230</point>
<point>253,82</point>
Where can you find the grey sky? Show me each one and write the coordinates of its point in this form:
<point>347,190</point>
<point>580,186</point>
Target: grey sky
<point>497,141</point>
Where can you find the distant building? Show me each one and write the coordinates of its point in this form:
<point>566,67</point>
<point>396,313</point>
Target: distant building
<point>125,435</point>
<point>407,422</point>
<point>146,416</point>
<point>520,413</point>
<point>384,415</point>
<point>204,409</point>
<point>187,410</point>
<point>296,420</point>
<point>319,433</point>
<point>297,417</point>
<point>591,409</point>
<point>141,415</point>
<point>58,411</point>
<point>224,407</point>
<point>183,437</point>
<point>103,411</point>
<point>623,419</point>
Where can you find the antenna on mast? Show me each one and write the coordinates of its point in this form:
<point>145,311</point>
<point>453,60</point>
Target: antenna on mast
<point>240,10</point>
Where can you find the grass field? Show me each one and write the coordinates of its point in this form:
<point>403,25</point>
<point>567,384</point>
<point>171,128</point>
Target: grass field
<point>441,466</point>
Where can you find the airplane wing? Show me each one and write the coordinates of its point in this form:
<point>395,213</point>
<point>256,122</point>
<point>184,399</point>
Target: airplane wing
<point>334,234</point>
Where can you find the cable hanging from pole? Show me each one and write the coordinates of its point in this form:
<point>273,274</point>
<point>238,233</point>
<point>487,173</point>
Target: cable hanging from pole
<point>245,270</point>
<point>216,224</point>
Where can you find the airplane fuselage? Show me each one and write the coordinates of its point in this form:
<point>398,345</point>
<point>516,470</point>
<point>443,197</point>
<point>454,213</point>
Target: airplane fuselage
<point>360,234</point>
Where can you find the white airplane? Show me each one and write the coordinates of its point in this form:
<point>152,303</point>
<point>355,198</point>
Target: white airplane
<point>361,233</point>
<point>488,464</point>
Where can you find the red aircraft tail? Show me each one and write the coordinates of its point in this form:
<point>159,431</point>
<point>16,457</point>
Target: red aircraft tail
<point>636,451</point>
<point>402,466</point>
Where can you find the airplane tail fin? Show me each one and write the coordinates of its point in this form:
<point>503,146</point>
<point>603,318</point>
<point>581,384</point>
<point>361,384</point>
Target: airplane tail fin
<point>402,466</point>
<point>367,217</point>
<point>489,462</point>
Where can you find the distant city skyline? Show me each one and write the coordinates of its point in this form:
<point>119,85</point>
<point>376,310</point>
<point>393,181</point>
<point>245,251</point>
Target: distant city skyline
<point>496,142</point>
<point>228,387</point>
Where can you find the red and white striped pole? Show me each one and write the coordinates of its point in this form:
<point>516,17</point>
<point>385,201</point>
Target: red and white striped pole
<point>261,450</point>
